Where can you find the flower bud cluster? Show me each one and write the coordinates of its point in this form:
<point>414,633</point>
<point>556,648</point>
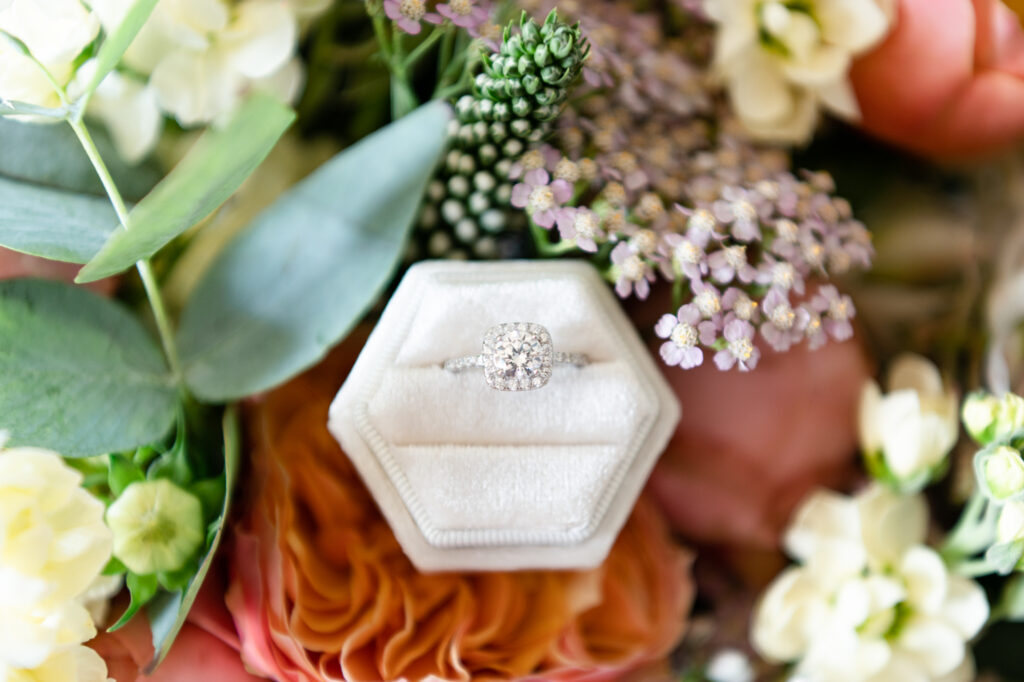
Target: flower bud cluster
<point>521,90</point>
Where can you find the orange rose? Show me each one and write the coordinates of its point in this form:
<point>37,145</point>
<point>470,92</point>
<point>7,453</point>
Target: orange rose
<point>751,445</point>
<point>948,81</point>
<point>320,589</point>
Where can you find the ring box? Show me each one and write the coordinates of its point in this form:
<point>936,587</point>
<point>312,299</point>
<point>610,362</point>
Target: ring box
<point>471,478</point>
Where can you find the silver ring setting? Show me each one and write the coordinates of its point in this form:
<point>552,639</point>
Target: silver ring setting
<point>516,356</point>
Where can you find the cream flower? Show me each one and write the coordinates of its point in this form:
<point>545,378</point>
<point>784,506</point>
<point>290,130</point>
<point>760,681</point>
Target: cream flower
<point>53,544</point>
<point>204,55</point>
<point>869,601</point>
<point>780,60</point>
<point>55,32</point>
<point>79,664</point>
<point>914,426</point>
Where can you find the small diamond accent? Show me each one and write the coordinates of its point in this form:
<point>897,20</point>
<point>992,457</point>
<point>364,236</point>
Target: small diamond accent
<point>517,356</point>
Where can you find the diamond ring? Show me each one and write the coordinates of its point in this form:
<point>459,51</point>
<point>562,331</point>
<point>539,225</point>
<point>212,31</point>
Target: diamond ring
<point>517,356</point>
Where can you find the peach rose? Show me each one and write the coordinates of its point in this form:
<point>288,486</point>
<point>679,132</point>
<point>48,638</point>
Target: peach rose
<point>948,82</point>
<point>751,445</point>
<point>14,264</point>
<point>206,647</point>
<point>320,589</point>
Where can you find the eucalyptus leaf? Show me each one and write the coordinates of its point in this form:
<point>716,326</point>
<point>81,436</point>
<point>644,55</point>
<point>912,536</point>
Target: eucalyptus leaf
<point>78,373</point>
<point>117,42</point>
<point>52,223</point>
<point>51,156</point>
<point>299,278</point>
<point>209,174</point>
<point>167,614</point>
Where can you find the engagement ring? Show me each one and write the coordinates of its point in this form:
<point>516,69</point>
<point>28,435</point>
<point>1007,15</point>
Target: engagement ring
<point>517,356</point>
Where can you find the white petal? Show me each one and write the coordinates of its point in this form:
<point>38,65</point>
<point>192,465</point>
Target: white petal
<point>131,113</point>
<point>916,373</point>
<point>925,575</point>
<point>938,647</point>
<point>966,607</point>
<point>853,24</point>
<point>839,98</point>
<point>261,39</point>
<point>53,30</point>
<point>965,672</point>
<point>758,88</point>
<point>286,82</point>
<point>786,614</point>
<point>827,526</point>
<point>901,668</point>
<point>195,88</point>
<point>890,524</point>
<point>868,416</point>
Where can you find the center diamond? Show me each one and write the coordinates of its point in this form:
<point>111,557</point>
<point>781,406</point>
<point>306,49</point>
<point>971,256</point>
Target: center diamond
<point>517,356</point>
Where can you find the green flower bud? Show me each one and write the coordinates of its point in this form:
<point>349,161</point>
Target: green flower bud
<point>1004,473</point>
<point>1010,526</point>
<point>157,526</point>
<point>979,415</point>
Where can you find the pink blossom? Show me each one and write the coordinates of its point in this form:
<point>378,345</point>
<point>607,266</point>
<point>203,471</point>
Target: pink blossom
<point>540,197</point>
<point>407,14</point>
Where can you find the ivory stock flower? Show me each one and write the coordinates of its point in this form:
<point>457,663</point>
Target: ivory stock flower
<point>320,589</point>
<point>53,545</point>
<point>869,601</point>
<point>914,426</point>
<point>780,61</point>
<point>948,82</point>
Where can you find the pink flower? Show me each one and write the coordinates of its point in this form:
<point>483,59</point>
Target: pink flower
<point>407,14</point>
<point>540,197</point>
<point>463,13</point>
<point>681,331</point>
<point>205,649</point>
<point>751,445</point>
<point>948,82</point>
<point>740,349</point>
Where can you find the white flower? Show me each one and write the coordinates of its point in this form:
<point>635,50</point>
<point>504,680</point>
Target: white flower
<point>53,544</point>
<point>869,601</point>
<point>781,60</point>
<point>729,665</point>
<point>78,664</point>
<point>203,56</point>
<point>129,109</point>
<point>914,426</point>
<point>55,32</point>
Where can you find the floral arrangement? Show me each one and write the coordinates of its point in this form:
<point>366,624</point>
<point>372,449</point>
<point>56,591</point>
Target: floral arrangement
<point>204,208</point>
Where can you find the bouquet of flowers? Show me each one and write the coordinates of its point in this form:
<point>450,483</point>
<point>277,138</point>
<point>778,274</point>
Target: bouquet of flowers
<point>206,211</point>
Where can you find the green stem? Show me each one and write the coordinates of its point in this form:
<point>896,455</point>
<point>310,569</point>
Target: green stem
<point>971,534</point>
<point>447,49</point>
<point>422,48</point>
<point>149,281</point>
<point>973,568</point>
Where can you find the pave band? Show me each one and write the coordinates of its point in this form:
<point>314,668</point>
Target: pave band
<point>516,356</point>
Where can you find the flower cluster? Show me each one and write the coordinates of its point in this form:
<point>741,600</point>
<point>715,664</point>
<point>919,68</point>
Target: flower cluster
<point>471,15</point>
<point>869,600</point>
<point>53,545</point>
<point>665,185</point>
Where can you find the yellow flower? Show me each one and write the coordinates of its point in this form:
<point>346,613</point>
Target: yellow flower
<point>80,664</point>
<point>53,544</point>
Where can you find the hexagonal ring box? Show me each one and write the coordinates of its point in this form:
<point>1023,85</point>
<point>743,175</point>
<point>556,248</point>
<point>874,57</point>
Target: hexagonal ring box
<point>473,478</point>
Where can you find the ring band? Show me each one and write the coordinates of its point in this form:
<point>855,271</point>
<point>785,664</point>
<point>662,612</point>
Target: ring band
<point>516,356</point>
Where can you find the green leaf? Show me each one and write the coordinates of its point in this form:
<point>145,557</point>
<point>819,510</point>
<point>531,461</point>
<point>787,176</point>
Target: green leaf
<point>122,474</point>
<point>168,614</point>
<point>78,373</point>
<point>209,174</point>
<point>51,156</point>
<point>142,589</point>
<point>1005,557</point>
<point>116,43</point>
<point>52,223</point>
<point>296,281</point>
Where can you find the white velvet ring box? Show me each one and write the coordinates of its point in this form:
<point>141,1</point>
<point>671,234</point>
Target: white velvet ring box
<point>472,478</point>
